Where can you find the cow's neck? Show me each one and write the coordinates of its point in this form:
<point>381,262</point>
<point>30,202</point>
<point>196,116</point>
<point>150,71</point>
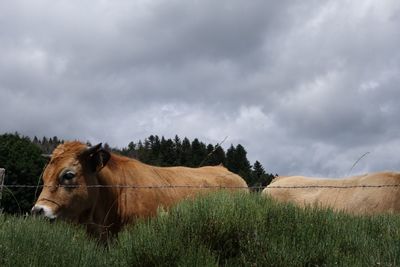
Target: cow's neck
<point>105,214</point>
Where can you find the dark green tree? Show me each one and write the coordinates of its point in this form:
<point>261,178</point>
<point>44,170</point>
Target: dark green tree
<point>24,164</point>
<point>258,171</point>
<point>208,161</point>
<point>260,177</point>
<point>218,157</point>
<point>167,152</point>
<point>144,150</point>
<point>186,153</point>
<point>155,150</point>
<point>237,162</point>
<point>178,150</point>
<point>199,153</point>
<point>47,145</point>
<point>231,159</point>
<point>36,140</point>
<point>130,151</point>
<point>215,156</point>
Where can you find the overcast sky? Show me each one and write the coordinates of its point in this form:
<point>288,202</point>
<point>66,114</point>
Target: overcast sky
<point>307,87</point>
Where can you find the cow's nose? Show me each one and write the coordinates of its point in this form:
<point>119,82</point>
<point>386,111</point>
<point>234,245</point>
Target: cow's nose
<point>37,210</point>
<point>43,210</point>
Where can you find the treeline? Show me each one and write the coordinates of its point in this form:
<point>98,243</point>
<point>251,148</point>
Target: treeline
<point>47,145</point>
<point>184,152</point>
<point>22,158</point>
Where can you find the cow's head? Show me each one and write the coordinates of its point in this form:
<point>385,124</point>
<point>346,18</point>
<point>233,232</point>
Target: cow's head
<point>68,177</point>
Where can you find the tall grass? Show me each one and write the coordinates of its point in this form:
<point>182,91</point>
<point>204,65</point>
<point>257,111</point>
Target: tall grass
<point>36,242</point>
<point>222,229</point>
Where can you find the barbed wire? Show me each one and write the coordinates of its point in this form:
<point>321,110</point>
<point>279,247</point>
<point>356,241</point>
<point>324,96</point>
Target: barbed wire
<point>127,186</point>
<point>337,186</point>
<point>203,186</point>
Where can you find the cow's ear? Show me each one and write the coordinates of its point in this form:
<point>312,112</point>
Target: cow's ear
<point>96,157</point>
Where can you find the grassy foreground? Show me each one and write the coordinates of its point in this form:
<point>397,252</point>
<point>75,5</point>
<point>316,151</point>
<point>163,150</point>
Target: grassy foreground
<point>231,230</point>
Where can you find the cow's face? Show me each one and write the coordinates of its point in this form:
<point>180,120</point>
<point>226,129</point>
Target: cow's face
<point>67,179</point>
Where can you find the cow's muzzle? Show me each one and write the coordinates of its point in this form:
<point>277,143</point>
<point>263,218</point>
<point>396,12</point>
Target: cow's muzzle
<point>42,210</point>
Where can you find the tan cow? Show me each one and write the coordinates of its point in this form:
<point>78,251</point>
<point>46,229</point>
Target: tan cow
<point>357,195</point>
<point>105,191</point>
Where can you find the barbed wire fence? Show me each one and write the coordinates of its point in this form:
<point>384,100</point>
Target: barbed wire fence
<point>8,187</point>
<point>251,188</point>
<point>186,186</point>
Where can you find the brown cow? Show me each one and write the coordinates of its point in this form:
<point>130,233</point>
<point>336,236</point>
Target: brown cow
<point>357,195</point>
<point>102,190</point>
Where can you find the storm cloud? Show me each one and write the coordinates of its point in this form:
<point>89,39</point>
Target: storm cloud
<point>306,86</point>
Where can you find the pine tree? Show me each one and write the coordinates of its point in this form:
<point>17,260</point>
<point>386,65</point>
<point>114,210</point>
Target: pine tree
<point>231,159</point>
<point>243,163</point>
<point>35,140</point>
<point>260,178</point>
<point>167,152</point>
<point>145,151</point>
<point>258,168</point>
<point>258,173</point>
<point>186,155</point>
<point>199,152</point>
<point>215,156</point>
<point>208,161</point>
<point>45,146</point>
<point>219,156</point>
<point>178,150</point>
<point>129,151</point>
<point>237,162</point>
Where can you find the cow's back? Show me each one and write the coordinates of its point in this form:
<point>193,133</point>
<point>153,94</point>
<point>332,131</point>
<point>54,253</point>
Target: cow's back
<point>184,182</point>
<point>205,176</point>
<point>347,194</point>
<point>156,187</point>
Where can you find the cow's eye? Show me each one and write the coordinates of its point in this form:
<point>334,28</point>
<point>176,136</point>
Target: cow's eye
<point>68,175</point>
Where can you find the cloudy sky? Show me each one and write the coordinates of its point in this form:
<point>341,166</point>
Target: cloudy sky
<point>307,87</point>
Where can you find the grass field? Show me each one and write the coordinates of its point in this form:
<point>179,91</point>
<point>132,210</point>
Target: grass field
<point>218,230</point>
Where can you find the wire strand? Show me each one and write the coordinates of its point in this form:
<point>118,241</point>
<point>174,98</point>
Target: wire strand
<point>205,186</point>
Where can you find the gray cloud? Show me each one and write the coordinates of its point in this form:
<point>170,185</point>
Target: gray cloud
<point>306,87</point>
